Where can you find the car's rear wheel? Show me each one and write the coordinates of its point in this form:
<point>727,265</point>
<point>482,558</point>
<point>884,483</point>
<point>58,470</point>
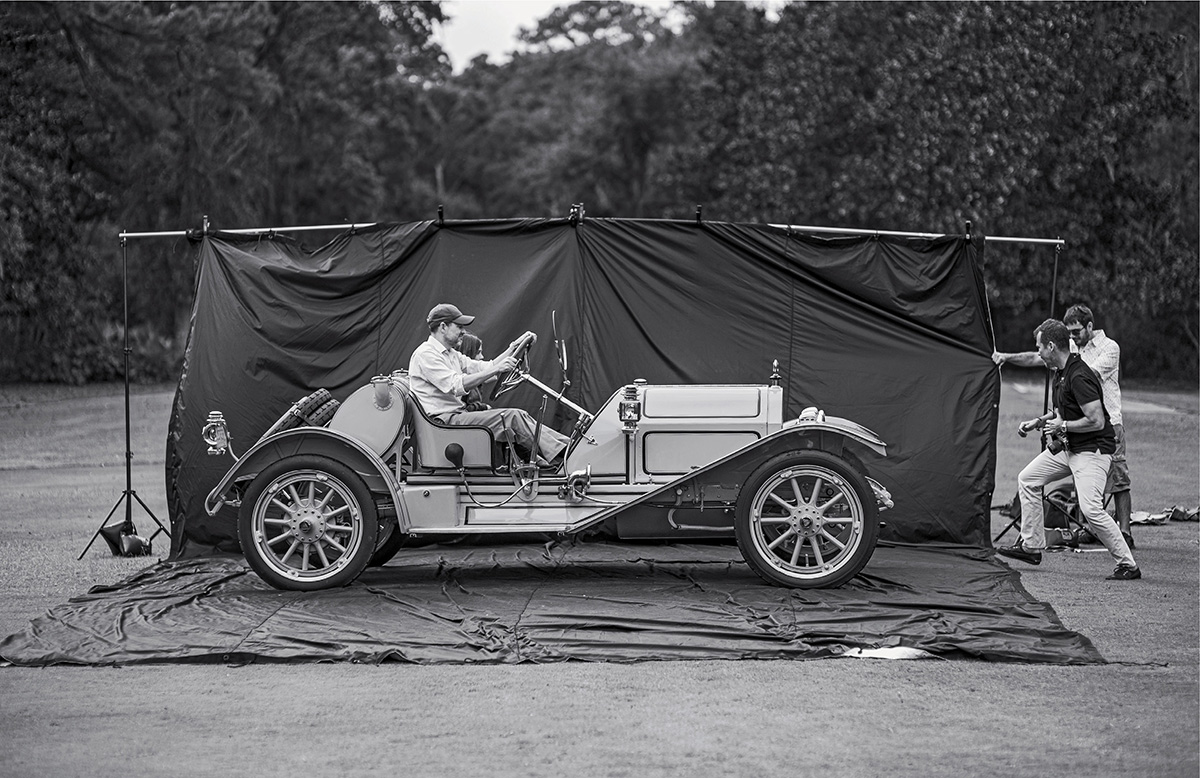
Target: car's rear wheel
<point>806,520</point>
<point>308,522</point>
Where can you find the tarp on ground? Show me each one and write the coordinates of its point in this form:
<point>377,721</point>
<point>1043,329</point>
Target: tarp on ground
<point>600,602</point>
<point>890,332</point>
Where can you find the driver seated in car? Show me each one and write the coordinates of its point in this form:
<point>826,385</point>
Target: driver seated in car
<point>440,376</point>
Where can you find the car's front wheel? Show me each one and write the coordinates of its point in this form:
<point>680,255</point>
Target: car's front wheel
<point>307,522</point>
<point>807,520</point>
<point>387,544</point>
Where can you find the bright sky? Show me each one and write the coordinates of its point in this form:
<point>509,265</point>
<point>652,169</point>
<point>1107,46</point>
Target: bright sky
<point>490,26</point>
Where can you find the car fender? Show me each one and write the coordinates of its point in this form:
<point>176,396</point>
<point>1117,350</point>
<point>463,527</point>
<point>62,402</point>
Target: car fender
<point>813,420</point>
<point>712,482</point>
<point>311,440</point>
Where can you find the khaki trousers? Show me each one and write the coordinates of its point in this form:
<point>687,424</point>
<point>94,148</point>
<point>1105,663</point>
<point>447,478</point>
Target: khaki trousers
<point>550,442</point>
<point>1089,470</point>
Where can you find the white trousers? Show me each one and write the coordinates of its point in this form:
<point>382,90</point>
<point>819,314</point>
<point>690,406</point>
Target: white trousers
<point>550,442</point>
<point>1089,470</point>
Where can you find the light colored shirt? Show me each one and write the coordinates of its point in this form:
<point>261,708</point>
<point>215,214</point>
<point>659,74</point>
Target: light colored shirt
<point>1103,355</point>
<point>435,375</point>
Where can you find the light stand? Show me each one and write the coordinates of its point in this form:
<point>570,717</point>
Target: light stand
<point>122,538</point>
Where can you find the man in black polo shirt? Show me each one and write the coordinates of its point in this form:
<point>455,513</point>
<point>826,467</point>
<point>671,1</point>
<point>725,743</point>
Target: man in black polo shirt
<point>1090,442</point>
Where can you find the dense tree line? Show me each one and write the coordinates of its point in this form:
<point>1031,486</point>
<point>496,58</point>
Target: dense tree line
<point>1076,120</point>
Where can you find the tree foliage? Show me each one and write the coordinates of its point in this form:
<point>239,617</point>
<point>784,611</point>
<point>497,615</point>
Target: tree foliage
<point>150,115</point>
<point>1076,120</point>
<point>1025,119</point>
<point>583,114</point>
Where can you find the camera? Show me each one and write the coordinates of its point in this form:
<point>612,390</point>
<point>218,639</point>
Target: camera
<point>1056,441</point>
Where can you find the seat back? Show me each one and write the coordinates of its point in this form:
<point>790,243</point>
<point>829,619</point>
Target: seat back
<point>430,437</point>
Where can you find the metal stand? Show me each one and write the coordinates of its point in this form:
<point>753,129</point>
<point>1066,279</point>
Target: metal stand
<point>1056,498</point>
<point>1003,532</point>
<point>122,538</point>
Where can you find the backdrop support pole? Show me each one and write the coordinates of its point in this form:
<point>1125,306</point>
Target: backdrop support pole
<point>1053,305</point>
<point>1046,388</point>
<point>122,538</point>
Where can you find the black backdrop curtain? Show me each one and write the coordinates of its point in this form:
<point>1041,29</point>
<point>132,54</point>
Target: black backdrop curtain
<point>893,333</point>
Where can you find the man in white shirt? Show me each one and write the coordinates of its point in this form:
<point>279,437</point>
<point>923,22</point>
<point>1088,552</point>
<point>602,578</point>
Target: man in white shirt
<point>1103,355</point>
<point>440,377</point>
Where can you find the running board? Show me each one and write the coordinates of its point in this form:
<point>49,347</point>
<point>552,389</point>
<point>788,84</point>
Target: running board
<point>484,529</point>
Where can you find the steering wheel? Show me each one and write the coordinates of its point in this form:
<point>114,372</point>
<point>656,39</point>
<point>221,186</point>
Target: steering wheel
<point>510,379</point>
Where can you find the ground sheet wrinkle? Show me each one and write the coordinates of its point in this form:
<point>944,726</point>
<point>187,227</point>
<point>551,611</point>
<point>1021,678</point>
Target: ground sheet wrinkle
<point>569,600</point>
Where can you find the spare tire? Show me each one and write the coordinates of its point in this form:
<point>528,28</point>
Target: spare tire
<point>322,415</point>
<point>313,410</point>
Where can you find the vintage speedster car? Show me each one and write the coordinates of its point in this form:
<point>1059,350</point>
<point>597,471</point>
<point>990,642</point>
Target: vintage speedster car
<point>334,487</point>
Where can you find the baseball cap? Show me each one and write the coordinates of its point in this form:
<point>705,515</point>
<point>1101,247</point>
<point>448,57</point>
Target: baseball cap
<point>448,312</point>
